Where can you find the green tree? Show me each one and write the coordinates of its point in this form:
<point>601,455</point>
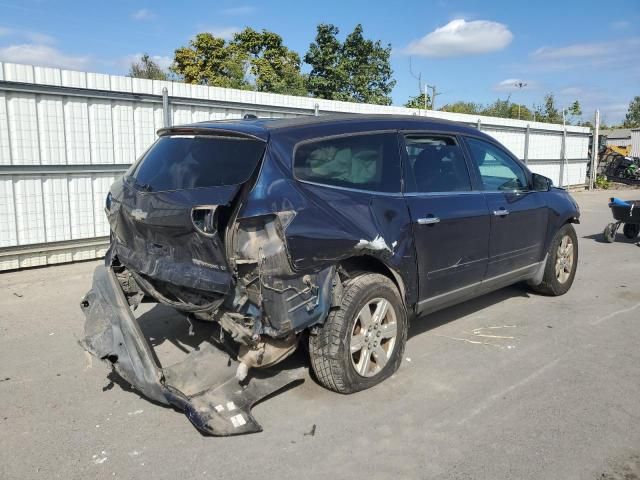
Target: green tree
<point>575,109</point>
<point>147,68</point>
<point>273,66</point>
<point>357,70</point>
<point>632,118</point>
<point>463,107</point>
<point>328,77</point>
<point>418,101</point>
<point>506,109</point>
<point>548,111</point>
<point>209,60</point>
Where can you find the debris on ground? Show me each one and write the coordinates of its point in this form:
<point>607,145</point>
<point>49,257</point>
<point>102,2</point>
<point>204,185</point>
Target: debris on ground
<point>480,332</point>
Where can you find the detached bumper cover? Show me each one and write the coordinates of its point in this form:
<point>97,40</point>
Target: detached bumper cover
<point>214,402</point>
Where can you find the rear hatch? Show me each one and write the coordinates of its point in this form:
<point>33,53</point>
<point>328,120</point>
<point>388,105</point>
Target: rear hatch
<point>168,212</point>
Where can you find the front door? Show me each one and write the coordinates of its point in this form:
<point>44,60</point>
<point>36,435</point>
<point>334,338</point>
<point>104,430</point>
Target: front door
<point>450,220</point>
<point>518,214</point>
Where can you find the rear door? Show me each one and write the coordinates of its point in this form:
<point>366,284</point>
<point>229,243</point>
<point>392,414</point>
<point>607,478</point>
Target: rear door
<point>450,219</point>
<point>518,214</point>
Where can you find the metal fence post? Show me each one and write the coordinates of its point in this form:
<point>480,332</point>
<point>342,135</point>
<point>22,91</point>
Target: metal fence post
<point>526,144</point>
<point>594,150</point>
<point>166,113</point>
<point>563,155</point>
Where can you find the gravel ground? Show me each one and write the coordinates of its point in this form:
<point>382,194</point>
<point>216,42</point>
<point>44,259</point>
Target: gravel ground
<point>558,399</point>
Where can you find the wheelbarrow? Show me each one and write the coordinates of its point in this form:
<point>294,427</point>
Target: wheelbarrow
<point>626,213</point>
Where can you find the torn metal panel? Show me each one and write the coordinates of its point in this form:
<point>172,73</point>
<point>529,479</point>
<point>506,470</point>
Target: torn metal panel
<point>199,385</point>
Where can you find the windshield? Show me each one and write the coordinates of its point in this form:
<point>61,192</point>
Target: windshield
<point>179,162</point>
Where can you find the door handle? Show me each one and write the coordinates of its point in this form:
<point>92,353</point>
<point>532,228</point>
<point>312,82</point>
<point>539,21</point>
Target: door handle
<point>428,220</point>
<point>501,213</point>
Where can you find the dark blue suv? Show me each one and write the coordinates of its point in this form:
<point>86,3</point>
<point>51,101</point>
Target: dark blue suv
<point>331,231</point>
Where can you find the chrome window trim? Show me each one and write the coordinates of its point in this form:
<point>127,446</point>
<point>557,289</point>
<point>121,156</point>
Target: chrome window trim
<point>444,194</point>
<point>349,189</point>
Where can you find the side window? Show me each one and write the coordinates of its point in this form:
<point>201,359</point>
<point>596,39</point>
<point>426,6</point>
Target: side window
<point>497,169</point>
<point>365,162</point>
<point>435,164</point>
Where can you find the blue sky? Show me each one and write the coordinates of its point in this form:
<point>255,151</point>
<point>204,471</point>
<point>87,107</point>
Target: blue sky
<point>470,49</point>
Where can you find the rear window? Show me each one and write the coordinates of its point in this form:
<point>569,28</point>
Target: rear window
<point>365,162</point>
<point>180,162</point>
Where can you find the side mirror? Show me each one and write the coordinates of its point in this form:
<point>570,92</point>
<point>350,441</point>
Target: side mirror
<point>541,183</point>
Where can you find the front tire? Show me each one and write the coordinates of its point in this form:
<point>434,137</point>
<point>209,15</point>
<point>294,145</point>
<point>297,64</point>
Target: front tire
<point>562,262</point>
<point>362,342</point>
<point>609,233</point>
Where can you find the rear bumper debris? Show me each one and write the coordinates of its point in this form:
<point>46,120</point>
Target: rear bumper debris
<point>203,385</point>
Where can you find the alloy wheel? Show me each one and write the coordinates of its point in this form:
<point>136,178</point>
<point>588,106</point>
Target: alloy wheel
<point>564,259</point>
<point>373,337</point>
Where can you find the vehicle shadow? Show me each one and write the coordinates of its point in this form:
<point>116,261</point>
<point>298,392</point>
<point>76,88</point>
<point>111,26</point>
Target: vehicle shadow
<point>430,321</point>
<point>598,237</point>
<point>162,323</point>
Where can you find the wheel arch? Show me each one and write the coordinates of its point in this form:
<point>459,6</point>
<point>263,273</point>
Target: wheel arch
<point>370,264</point>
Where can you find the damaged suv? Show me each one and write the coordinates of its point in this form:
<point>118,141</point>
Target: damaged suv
<point>328,231</point>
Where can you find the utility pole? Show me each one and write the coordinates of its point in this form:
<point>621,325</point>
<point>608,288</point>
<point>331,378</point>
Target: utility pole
<point>418,77</point>
<point>434,93</point>
<point>520,85</point>
<point>594,150</point>
<point>426,107</point>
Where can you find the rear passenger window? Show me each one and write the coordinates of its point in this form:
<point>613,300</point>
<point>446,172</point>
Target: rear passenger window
<point>435,164</point>
<point>364,162</point>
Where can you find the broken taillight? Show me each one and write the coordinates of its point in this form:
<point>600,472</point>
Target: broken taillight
<point>204,219</point>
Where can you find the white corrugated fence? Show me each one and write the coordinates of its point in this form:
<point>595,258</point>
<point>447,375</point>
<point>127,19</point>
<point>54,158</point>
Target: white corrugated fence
<point>66,135</point>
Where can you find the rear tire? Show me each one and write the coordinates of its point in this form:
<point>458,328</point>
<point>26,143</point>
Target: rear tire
<point>562,261</point>
<point>362,342</point>
<point>631,230</point>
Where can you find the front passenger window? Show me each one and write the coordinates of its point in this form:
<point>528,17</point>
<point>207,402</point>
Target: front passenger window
<point>498,170</point>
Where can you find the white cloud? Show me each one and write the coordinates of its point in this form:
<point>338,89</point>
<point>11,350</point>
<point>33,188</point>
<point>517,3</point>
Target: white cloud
<point>577,50</point>
<point>241,10</point>
<point>620,25</point>
<point>460,37</point>
<point>41,38</point>
<point>42,55</point>
<point>143,14</point>
<point>623,54</point>
<point>222,32</point>
<point>509,85</point>
<point>32,37</point>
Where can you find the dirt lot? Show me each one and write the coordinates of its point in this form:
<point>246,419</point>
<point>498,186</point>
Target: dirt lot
<point>558,398</point>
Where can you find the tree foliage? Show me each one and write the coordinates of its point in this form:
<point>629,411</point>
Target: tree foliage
<point>632,118</point>
<point>209,60</point>
<point>418,101</point>
<point>546,112</point>
<point>147,68</point>
<point>463,107</point>
<point>251,60</point>
<point>273,66</point>
<point>356,70</point>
